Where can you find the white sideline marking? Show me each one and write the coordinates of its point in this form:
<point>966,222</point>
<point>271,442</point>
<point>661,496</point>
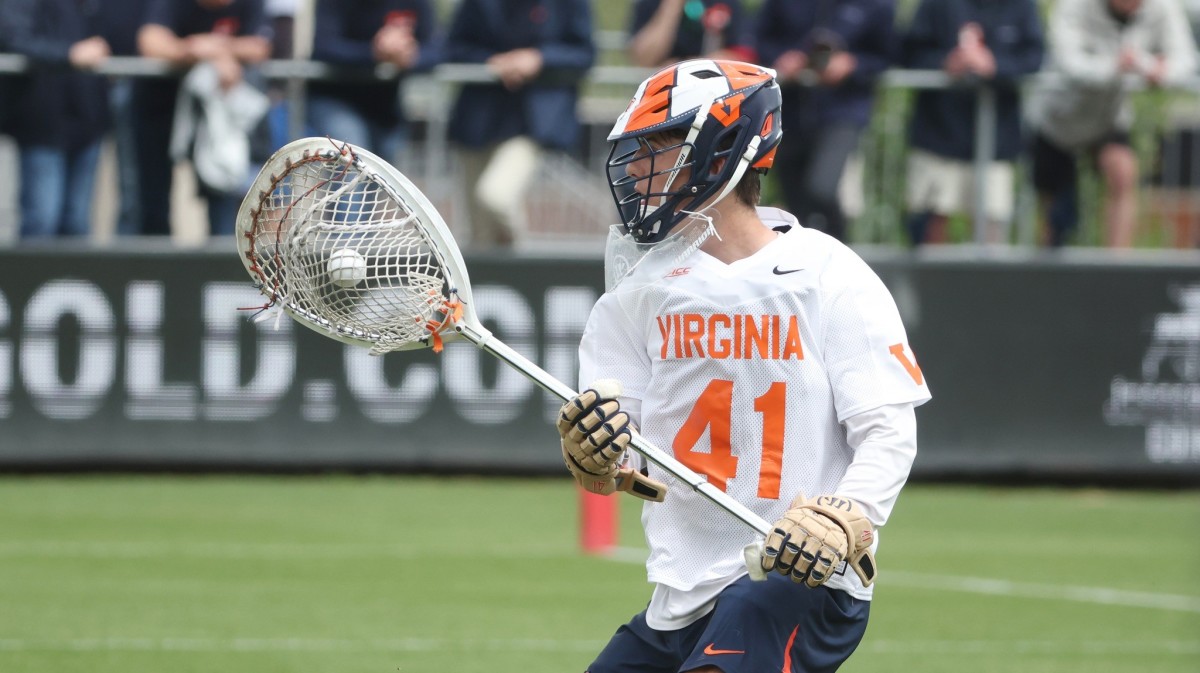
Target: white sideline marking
<point>256,551</point>
<point>1077,647</point>
<point>335,645</point>
<point>301,552</point>
<point>995,587</point>
<point>295,645</point>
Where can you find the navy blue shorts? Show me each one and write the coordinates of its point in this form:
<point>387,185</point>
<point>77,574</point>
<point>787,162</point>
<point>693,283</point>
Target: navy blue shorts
<point>776,625</point>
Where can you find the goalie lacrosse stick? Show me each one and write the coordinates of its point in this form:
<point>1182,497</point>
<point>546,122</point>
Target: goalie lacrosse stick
<point>344,243</point>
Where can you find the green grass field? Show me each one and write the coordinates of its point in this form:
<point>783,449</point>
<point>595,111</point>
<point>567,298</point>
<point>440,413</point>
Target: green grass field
<point>425,575</point>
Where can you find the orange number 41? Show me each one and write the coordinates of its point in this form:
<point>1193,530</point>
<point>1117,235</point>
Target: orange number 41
<point>714,412</point>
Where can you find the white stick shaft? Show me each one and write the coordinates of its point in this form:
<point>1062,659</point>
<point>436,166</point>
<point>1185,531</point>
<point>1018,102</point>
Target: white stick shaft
<point>652,453</point>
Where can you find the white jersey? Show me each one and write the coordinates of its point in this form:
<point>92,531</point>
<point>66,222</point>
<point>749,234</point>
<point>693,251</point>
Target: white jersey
<point>745,371</point>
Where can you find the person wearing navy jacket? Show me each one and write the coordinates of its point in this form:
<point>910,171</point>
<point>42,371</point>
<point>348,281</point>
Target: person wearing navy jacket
<point>994,42</point>
<point>539,50</point>
<point>669,31</point>
<point>57,112</point>
<point>364,33</point>
<point>828,55</point>
<point>120,21</point>
<point>230,35</point>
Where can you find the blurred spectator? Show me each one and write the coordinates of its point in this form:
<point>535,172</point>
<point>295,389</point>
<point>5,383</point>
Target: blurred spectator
<point>539,50</point>
<point>223,33</point>
<point>364,33</point>
<point>667,31</point>
<point>1099,51</point>
<point>828,54</point>
<point>120,21</point>
<point>281,15</point>
<point>57,115</point>
<point>974,41</point>
<point>1192,7</point>
<point>9,83</point>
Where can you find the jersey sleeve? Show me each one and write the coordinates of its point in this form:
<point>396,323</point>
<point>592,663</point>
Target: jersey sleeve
<point>866,349</point>
<point>614,347</point>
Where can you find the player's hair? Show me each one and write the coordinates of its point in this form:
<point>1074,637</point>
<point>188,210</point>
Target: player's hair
<point>749,188</point>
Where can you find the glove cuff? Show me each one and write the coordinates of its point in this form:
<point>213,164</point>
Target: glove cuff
<point>860,533</point>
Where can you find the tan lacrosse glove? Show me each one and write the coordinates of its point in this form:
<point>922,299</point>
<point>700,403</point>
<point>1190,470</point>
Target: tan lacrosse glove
<point>815,536</point>
<point>595,433</point>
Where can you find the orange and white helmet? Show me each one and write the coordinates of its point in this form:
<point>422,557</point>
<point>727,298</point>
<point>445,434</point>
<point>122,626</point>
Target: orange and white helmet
<point>724,118</point>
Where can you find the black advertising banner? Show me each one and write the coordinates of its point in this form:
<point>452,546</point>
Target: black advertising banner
<point>112,359</point>
<point>143,359</point>
<point>1057,366</point>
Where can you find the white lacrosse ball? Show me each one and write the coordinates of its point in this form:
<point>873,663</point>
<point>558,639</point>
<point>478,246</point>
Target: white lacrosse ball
<point>347,268</point>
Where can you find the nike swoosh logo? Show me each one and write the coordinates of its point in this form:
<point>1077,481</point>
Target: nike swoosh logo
<point>779,272</point>
<point>708,649</point>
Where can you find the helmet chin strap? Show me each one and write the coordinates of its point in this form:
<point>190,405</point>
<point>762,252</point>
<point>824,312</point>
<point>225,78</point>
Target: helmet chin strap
<point>684,153</point>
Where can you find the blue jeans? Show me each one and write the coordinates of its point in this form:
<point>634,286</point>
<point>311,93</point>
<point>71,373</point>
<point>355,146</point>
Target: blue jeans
<point>56,190</point>
<point>340,121</point>
<point>222,210</point>
<point>125,130</point>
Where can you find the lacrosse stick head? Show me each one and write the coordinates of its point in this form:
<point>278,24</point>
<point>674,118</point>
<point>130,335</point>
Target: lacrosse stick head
<point>344,243</point>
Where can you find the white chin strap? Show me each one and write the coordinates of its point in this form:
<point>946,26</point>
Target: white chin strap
<point>685,152</point>
<point>743,164</point>
<point>681,159</point>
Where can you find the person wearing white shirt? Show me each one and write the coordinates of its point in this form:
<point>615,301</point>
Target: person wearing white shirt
<point>767,357</point>
<point>1099,51</point>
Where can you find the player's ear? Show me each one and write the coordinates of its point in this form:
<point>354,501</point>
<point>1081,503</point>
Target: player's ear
<point>717,165</point>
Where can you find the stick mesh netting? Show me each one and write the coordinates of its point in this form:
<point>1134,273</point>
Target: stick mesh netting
<point>326,202</point>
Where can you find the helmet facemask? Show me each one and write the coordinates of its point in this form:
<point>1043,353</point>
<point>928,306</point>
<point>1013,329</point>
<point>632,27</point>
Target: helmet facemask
<point>669,186</point>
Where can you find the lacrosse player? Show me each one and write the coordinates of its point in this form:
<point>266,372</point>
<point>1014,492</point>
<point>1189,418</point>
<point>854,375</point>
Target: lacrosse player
<point>769,358</point>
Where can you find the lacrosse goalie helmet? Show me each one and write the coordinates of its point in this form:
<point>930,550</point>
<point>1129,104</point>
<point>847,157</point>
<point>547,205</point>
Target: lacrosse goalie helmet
<point>720,110</point>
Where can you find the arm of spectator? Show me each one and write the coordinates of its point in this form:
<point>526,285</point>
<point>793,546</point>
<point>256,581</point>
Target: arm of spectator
<point>873,44</point>
<point>469,39</point>
<point>1067,21</point>
<point>654,37</point>
<point>19,36</point>
<point>89,53</point>
<point>250,48</point>
<point>409,43</point>
<point>840,66</point>
<point>1023,56</point>
<point>158,41</point>
<point>516,68</point>
<point>397,45</point>
<point>736,37</point>
<point>572,49</point>
<point>430,48</point>
<point>773,40</point>
<point>253,44</point>
<point>1178,58</point>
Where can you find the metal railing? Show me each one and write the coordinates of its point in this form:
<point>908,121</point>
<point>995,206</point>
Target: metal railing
<point>607,89</point>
